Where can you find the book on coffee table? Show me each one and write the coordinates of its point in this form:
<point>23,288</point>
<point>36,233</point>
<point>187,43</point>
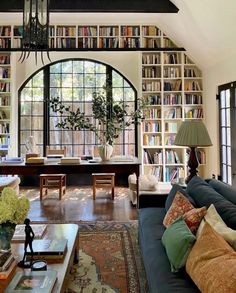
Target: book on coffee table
<point>6,259</point>
<point>39,230</point>
<point>9,271</point>
<point>48,249</point>
<point>36,281</point>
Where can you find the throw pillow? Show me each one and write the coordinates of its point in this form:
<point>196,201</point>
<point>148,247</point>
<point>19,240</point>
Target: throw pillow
<point>193,218</point>
<point>216,222</point>
<point>178,241</point>
<point>212,263</point>
<point>179,207</point>
<point>172,193</point>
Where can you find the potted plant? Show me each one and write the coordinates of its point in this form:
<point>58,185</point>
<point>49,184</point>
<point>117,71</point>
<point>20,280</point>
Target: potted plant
<point>13,211</point>
<point>109,118</point>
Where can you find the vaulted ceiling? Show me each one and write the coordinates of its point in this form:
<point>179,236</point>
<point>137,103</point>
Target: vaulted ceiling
<point>207,29</point>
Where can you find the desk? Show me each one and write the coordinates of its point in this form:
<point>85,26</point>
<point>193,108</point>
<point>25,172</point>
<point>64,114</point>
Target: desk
<point>84,167</point>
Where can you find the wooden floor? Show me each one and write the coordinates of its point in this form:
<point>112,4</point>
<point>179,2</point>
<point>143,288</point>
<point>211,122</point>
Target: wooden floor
<point>80,208</point>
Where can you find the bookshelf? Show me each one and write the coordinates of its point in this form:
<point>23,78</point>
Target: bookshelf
<point>172,87</point>
<point>5,102</point>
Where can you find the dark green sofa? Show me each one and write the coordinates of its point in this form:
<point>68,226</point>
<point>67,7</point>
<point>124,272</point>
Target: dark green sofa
<point>157,266</point>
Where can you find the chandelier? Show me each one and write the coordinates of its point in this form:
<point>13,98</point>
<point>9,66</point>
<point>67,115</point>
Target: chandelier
<point>35,29</point>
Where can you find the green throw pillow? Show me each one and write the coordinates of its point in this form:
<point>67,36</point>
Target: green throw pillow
<point>178,241</point>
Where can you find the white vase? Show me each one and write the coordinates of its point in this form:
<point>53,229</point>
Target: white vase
<point>105,151</point>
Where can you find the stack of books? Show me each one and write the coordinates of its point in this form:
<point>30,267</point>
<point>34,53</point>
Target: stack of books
<point>70,160</point>
<point>7,264</point>
<point>39,230</point>
<point>35,160</point>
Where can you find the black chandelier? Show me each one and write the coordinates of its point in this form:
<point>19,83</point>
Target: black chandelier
<point>35,29</point>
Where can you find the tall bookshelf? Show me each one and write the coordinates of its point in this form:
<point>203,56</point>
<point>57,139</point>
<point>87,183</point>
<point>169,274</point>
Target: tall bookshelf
<point>5,102</point>
<point>172,87</point>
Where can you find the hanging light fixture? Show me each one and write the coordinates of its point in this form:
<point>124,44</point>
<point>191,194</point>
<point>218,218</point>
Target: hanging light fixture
<point>35,28</point>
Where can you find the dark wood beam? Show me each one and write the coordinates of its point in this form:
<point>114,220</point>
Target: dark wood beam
<point>117,6</point>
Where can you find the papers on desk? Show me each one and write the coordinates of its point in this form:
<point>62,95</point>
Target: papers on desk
<point>13,160</point>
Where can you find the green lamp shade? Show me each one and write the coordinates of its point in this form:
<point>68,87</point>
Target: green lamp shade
<point>192,133</point>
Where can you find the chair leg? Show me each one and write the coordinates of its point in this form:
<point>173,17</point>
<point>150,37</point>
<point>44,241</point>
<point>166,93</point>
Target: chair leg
<point>94,188</point>
<point>112,187</point>
<point>41,189</point>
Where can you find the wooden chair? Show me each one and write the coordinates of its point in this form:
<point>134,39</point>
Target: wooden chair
<point>103,180</point>
<point>52,181</point>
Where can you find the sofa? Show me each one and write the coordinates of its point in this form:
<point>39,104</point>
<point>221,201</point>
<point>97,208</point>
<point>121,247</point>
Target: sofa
<point>151,213</point>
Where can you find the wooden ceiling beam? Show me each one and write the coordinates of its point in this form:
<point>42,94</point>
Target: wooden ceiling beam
<point>117,6</point>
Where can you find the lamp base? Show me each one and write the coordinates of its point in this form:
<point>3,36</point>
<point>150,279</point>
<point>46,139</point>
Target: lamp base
<point>192,164</point>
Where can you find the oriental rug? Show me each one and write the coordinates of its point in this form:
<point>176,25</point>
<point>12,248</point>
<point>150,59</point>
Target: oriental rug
<point>109,260</point>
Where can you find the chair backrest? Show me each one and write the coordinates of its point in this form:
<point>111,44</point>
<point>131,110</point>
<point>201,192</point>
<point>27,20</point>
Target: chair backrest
<point>55,151</point>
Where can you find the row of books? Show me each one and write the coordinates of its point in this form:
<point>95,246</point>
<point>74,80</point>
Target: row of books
<point>151,140</point>
<point>66,43</point>
<point>5,128</point>
<point>151,30</point>
<point>66,31</point>
<point>172,99</point>
<point>151,59</point>
<point>154,126</point>
<point>5,72</point>
<point>151,43</point>
<point>5,59</point>
<point>151,86</point>
<point>5,43</point>
<point>171,72</point>
<point>108,42</point>
<point>175,112</point>
<point>193,99</point>
<point>4,141</point>
<point>5,87</point>
<point>151,72</point>
<point>157,171</point>
<point>172,58</point>
<point>153,99</point>
<point>173,85</point>
<point>87,43</point>
<point>152,113</point>
<point>192,85</point>
<point>194,113</point>
<point>130,30</point>
<point>130,43</point>
<point>5,31</point>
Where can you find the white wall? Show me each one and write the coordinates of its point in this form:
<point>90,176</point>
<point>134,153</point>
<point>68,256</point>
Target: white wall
<point>220,73</point>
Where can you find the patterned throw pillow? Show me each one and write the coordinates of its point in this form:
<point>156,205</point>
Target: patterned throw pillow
<point>179,207</point>
<point>193,218</point>
<point>212,263</point>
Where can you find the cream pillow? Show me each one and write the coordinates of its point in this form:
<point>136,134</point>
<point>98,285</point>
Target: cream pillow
<point>216,222</point>
<point>146,182</point>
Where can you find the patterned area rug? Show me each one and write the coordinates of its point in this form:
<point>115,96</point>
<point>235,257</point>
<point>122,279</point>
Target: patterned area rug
<point>109,260</point>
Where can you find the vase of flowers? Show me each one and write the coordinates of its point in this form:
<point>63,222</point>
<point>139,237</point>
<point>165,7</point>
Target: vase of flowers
<point>13,211</point>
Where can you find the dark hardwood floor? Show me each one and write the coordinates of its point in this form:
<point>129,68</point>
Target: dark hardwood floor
<point>78,205</point>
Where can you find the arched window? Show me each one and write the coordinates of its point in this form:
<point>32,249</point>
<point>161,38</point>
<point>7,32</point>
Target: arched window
<point>73,81</point>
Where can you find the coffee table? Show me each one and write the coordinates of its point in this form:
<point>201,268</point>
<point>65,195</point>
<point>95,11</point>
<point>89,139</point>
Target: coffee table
<point>54,231</point>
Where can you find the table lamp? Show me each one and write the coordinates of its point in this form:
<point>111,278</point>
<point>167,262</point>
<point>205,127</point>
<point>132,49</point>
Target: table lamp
<point>192,133</point>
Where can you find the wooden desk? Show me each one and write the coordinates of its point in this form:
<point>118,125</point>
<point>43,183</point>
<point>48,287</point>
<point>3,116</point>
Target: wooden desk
<point>121,167</point>
<point>54,231</point>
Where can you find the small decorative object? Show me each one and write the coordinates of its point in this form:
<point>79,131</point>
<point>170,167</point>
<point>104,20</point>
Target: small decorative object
<point>31,146</point>
<point>29,237</point>
<point>13,210</point>
<point>39,265</point>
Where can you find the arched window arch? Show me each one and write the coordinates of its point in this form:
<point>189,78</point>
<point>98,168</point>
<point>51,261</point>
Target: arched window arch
<point>74,81</point>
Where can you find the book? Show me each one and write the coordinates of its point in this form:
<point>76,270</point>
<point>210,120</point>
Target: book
<point>48,248</point>
<point>6,259</point>
<point>39,230</point>
<point>13,160</point>
<point>70,160</point>
<point>35,160</point>
<point>6,274</point>
<point>33,281</point>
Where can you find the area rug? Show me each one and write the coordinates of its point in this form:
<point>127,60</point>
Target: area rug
<point>109,260</point>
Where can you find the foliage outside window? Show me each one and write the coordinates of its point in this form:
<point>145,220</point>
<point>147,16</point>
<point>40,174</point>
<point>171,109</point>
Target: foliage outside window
<point>74,81</point>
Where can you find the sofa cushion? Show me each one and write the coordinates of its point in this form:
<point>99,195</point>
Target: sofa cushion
<point>178,241</point>
<point>172,194</point>
<point>179,207</point>
<point>193,218</point>
<point>212,263</point>
<point>151,220</point>
<point>224,189</point>
<point>216,222</point>
<point>204,195</point>
<point>156,263</point>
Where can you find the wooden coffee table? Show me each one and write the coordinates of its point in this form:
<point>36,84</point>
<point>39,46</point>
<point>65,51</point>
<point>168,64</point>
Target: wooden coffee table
<point>54,231</point>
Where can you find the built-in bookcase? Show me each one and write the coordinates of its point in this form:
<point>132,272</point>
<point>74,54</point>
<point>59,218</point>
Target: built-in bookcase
<point>5,102</point>
<point>172,87</point>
